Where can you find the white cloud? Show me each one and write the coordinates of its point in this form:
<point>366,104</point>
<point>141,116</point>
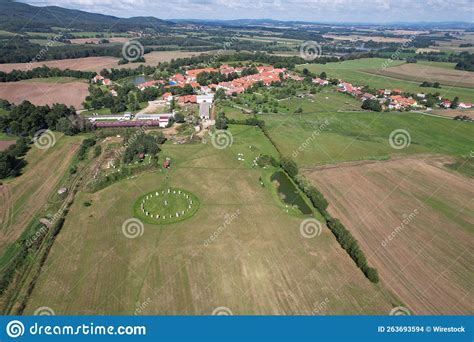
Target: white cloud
<point>314,10</point>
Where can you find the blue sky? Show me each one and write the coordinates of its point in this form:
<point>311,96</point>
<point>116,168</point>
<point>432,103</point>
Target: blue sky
<point>310,10</point>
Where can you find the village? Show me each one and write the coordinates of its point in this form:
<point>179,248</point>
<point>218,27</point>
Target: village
<point>200,97</point>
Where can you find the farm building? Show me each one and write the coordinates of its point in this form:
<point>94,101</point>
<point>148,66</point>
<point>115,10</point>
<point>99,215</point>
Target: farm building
<point>205,110</point>
<point>162,119</point>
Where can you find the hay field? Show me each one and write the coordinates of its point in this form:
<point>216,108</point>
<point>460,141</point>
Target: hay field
<point>414,219</point>
<point>71,92</point>
<point>257,263</point>
<point>326,138</point>
<point>430,73</point>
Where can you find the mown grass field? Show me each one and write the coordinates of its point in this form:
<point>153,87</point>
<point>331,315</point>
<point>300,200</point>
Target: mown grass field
<point>361,72</point>
<point>364,135</point>
<point>256,262</point>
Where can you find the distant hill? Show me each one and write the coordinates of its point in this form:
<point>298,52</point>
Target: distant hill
<point>20,17</point>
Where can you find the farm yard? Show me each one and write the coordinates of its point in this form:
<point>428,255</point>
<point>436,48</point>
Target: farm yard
<point>414,219</point>
<point>241,249</point>
<point>69,91</point>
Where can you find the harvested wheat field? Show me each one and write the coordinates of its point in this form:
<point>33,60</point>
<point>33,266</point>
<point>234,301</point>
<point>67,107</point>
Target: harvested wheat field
<point>420,73</point>
<point>414,220</point>
<point>40,92</point>
<point>99,63</point>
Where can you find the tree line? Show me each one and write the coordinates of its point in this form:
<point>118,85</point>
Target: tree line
<point>26,121</point>
<point>43,72</point>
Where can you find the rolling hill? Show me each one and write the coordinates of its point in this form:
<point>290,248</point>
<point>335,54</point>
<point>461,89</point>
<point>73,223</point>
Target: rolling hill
<point>20,17</point>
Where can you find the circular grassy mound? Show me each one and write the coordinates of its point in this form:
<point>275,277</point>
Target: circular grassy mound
<point>166,206</point>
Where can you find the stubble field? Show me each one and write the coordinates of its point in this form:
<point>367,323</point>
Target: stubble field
<point>46,92</point>
<point>414,219</point>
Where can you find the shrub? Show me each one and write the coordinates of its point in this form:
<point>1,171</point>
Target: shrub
<point>289,166</point>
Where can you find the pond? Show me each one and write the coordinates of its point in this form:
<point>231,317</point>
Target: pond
<point>289,193</point>
<point>138,80</point>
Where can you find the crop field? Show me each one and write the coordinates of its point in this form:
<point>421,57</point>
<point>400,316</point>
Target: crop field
<point>23,197</point>
<point>326,138</point>
<point>429,73</point>
<point>241,250</point>
<point>99,63</point>
<point>362,72</point>
<point>70,92</point>
<point>414,219</point>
